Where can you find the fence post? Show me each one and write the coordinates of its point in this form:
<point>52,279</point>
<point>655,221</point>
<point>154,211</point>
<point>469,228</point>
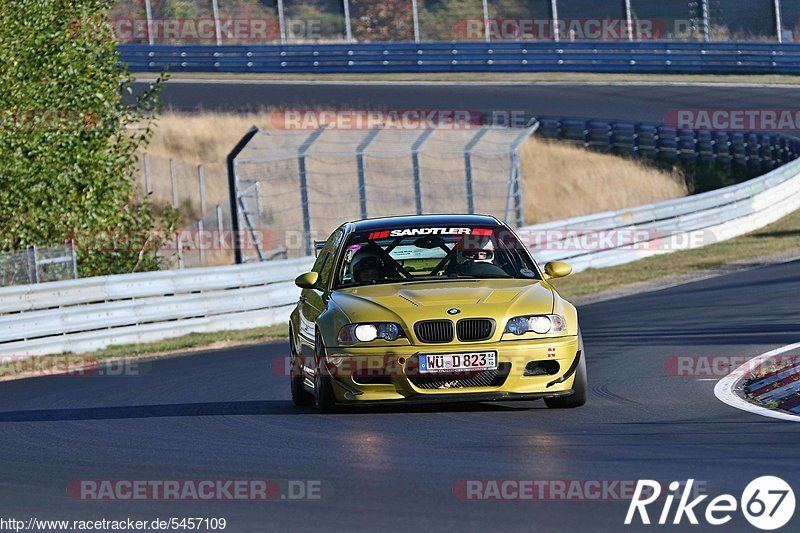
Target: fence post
<point>179,241</point>
<point>348,27</point>
<point>301,163</point>
<point>233,191</point>
<point>515,178</point>
<point>281,21</point>
<point>362,170</point>
<point>554,18</point>
<point>468,167</point>
<point>415,16</point>
<point>33,270</point>
<point>778,21</point>
<point>217,25</point>
<point>415,163</point>
<point>629,19</point>
<point>486,30</point>
<point>148,184</point>
<point>201,242</point>
<point>173,176</point>
<point>705,25</point>
<point>148,9</point>
<point>201,182</point>
<point>220,227</point>
<point>71,244</point>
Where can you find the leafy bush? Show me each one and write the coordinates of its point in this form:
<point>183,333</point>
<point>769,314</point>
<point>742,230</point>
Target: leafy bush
<point>68,138</point>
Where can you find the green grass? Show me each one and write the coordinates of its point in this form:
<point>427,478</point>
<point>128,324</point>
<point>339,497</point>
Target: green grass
<point>781,236</point>
<point>499,77</point>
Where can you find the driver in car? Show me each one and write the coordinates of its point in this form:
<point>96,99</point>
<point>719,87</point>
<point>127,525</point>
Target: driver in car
<point>367,268</point>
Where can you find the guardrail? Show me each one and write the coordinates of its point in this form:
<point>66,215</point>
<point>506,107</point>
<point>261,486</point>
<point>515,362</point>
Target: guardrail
<point>470,56</point>
<point>89,314</point>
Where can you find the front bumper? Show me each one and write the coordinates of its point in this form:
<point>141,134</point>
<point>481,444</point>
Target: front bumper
<point>360,375</point>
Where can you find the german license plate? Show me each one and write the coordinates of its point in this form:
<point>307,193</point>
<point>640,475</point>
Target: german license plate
<point>463,362</point>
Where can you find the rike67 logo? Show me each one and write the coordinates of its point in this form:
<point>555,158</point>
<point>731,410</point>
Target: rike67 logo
<point>767,503</point>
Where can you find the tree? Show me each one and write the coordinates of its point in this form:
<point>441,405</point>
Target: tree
<point>68,138</point>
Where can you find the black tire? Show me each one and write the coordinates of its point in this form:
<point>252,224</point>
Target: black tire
<point>300,396</point>
<point>324,398</point>
<point>580,386</point>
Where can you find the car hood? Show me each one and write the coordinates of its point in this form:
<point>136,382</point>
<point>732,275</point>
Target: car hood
<point>425,300</point>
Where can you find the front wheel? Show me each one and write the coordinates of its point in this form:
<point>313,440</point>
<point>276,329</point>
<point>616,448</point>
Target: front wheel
<point>300,396</point>
<point>324,397</point>
<point>580,386</point>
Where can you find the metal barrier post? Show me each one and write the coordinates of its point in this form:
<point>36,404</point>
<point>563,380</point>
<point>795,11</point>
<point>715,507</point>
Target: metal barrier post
<point>201,182</point>
<point>515,179</point>
<point>468,167</point>
<point>778,21</point>
<point>33,269</point>
<point>415,163</point>
<point>629,19</point>
<point>148,9</point>
<point>362,171</point>
<point>217,24</point>
<point>173,176</point>
<point>71,244</point>
<point>348,28</point>
<point>301,162</point>
<point>201,242</point>
<point>220,227</point>
<point>282,21</point>
<point>704,25</point>
<point>487,32</point>
<point>415,16</point>
<point>148,184</point>
<point>554,18</point>
<point>233,192</point>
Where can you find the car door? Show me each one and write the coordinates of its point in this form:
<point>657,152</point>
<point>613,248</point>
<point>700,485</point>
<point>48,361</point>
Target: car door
<point>313,302</point>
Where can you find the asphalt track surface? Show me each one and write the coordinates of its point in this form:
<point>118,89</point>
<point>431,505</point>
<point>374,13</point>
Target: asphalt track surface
<point>227,415</point>
<point>646,103</point>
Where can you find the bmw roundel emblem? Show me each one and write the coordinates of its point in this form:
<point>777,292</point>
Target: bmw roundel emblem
<point>453,311</point>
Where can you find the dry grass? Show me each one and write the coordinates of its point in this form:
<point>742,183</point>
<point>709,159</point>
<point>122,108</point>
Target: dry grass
<point>559,180</point>
<point>562,181</point>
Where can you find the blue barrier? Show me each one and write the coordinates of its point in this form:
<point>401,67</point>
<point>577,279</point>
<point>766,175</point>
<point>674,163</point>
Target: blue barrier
<point>472,56</point>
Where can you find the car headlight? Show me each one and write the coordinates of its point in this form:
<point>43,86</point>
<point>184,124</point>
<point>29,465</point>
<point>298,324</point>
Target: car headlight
<point>541,324</point>
<point>369,332</point>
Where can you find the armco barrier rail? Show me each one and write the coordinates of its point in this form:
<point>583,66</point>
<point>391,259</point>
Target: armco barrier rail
<point>470,56</point>
<point>88,314</point>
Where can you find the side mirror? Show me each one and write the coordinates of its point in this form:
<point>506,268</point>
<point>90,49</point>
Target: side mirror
<point>307,280</point>
<point>557,269</point>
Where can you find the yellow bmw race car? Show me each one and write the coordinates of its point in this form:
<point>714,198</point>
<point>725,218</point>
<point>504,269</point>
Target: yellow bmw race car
<point>435,308</point>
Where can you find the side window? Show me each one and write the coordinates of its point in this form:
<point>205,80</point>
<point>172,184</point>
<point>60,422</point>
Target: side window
<point>327,257</point>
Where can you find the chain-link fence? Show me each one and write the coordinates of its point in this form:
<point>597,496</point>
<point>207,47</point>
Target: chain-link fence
<point>200,196</point>
<point>38,265</point>
<point>294,187</point>
<point>306,21</point>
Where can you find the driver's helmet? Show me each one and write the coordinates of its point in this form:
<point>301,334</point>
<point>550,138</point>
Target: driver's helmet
<point>367,267</point>
<point>478,255</point>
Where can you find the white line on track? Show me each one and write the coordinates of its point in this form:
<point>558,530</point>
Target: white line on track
<point>724,390</point>
<point>237,81</point>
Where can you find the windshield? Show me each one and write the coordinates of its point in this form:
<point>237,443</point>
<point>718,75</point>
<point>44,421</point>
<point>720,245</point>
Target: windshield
<point>432,253</point>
